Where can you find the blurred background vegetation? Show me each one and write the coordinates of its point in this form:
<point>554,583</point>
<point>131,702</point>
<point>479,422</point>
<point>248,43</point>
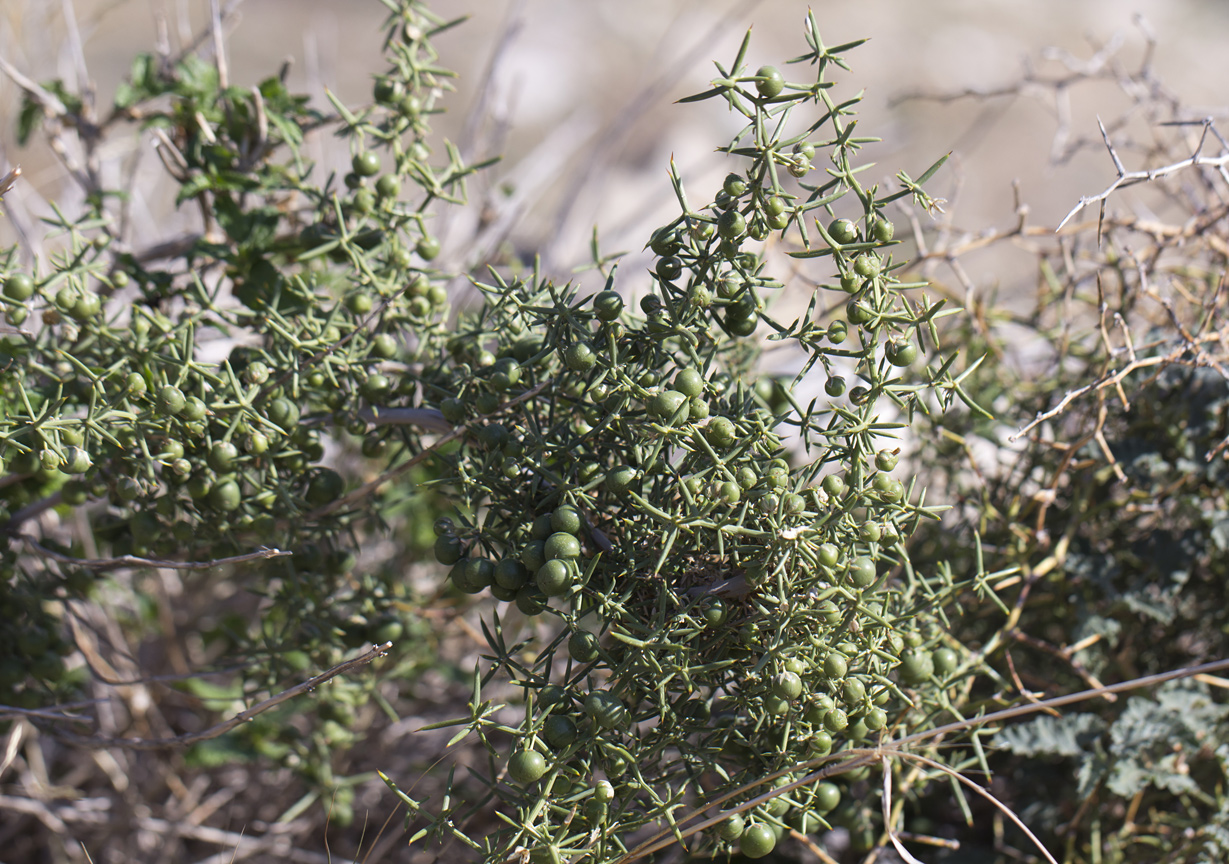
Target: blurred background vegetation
<point>580,101</point>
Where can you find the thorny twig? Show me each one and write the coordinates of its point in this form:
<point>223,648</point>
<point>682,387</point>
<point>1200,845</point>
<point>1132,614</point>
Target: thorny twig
<point>1129,178</point>
<point>136,561</point>
<point>371,486</point>
<point>1110,379</point>
<point>240,718</point>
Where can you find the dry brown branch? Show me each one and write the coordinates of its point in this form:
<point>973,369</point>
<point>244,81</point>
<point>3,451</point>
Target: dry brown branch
<point>1063,654</point>
<point>219,43</point>
<point>984,793</point>
<point>425,418</point>
<point>57,716</point>
<point>48,101</point>
<point>1020,688</point>
<point>225,16</point>
<point>31,510</point>
<point>11,746</point>
<point>1107,380</point>
<point>812,847</point>
<point>927,840</point>
<point>135,561</point>
<point>1127,178</point>
<point>239,719</point>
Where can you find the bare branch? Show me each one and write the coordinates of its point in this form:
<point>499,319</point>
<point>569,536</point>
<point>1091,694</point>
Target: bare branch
<point>226,15</point>
<point>57,716</point>
<point>1003,808</point>
<point>84,85</point>
<point>49,102</point>
<point>134,561</point>
<point>1129,178</point>
<point>219,43</point>
<point>98,811</point>
<point>425,418</point>
<point>240,718</point>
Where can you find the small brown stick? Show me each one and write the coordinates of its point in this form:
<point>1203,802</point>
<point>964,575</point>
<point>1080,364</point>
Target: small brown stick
<point>424,418</point>
<point>174,161</point>
<point>1099,436</point>
<point>1076,666</point>
<point>134,561</point>
<point>30,511</point>
<point>57,716</point>
<point>1128,823</point>
<point>240,718</point>
<point>1027,694</point>
<point>219,43</point>
<point>811,845</point>
<point>928,840</point>
<point>1087,804</point>
<point>48,101</point>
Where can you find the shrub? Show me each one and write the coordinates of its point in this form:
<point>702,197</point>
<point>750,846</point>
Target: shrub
<point>713,597</point>
<point>704,616</point>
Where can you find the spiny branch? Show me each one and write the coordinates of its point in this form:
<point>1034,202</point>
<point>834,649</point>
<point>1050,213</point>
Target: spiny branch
<point>239,719</point>
<point>135,561</point>
<point>1130,178</point>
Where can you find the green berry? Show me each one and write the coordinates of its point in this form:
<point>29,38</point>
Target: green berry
<point>757,840</point>
<point>526,766</point>
<point>170,400</point>
<point>19,287</point>
<point>365,163</point>
<point>731,225</point>
<point>769,82</point>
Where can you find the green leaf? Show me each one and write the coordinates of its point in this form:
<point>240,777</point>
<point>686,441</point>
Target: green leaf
<point>251,229</point>
<point>197,78</point>
<point>142,82</point>
<point>211,692</point>
<point>218,752</point>
<point>289,131</point>
<point>1069,735</point>
<point>930,172</point>
<point>195,185</point>
<point>28,119</point>
<point>1094,767</point>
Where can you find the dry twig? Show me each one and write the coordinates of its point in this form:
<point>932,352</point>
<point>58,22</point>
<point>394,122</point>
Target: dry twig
<point>239,719</point>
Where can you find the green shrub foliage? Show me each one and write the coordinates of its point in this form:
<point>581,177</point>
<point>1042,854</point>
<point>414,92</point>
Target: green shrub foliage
<point>699,582</point>
<point>707,614</point>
